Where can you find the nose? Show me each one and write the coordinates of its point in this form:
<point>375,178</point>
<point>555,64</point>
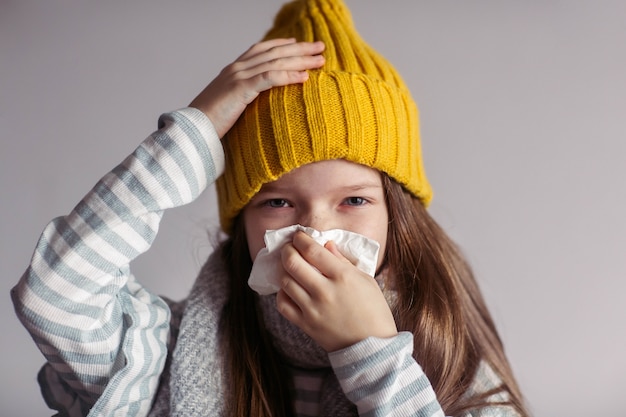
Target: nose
<point>317,218</point>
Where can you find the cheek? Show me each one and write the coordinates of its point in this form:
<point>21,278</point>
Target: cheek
<point>374,227</point>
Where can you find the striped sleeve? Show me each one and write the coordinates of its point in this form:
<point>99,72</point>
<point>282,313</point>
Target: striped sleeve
<point>381,378</point>
<point>103,335</point>
<point>486,380</point>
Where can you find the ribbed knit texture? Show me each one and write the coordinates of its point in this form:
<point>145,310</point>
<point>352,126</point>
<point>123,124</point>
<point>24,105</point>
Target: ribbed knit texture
<point>356,108</point>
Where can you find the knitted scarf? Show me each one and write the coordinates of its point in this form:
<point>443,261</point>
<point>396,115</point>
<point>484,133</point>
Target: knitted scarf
<point>193,383</point>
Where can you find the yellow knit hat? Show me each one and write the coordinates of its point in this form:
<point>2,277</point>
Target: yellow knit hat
<point>356,107</point>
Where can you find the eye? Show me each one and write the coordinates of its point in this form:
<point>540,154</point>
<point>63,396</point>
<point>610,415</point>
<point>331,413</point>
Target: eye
<point>355,201</point>
<point>277,203</point>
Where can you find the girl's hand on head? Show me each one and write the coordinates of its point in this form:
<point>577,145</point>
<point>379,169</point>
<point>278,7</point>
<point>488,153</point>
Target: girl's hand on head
<point>330,299</point>
<point>267,64</point>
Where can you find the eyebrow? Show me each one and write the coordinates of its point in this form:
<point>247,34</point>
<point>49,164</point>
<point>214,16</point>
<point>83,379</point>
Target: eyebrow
<point>361,186</point>
<point>271,187</point>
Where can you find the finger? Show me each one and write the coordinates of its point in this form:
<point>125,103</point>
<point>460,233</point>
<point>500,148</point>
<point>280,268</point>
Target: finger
<point>282,71</point>
<point>291,287</point>
<point>288,308</point>
<point>252,87</point>
<point>287,50</point>
<point>332,248</point>
<point>291,63</point>
<point>303,274</point>
<point>275,74</point>
<point>290,49</point>
<point>318,256</point>
<point>264,46</point>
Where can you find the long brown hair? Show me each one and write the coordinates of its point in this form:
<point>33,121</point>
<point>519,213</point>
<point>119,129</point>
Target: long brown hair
<point>440,303</point>
<point>438,300</point>
<point>256,376</point>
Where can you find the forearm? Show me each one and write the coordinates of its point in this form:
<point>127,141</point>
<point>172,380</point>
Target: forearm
<point>77,298</point>
<point>381,378</point>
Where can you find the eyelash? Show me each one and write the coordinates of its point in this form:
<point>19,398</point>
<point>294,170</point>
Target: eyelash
<point>270,203</point>
<point>349,201</point>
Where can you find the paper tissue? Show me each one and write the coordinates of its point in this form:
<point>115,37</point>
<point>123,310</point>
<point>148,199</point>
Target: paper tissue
<point>360,250</point>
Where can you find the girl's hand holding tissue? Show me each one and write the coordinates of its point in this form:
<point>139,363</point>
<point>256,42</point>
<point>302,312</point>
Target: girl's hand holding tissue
<point>329,298</point>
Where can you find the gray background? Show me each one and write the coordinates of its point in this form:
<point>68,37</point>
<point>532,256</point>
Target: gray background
<point>522,107</point>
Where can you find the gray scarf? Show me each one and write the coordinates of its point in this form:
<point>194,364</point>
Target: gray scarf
<point>193,382</point>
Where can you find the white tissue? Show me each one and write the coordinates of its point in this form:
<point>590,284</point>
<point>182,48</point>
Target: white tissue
<point>360,250</point>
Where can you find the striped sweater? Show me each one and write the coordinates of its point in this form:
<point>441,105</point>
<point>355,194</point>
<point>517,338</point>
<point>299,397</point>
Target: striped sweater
<point>106,338</point>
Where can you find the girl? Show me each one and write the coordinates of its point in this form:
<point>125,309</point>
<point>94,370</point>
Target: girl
<point>325,141</point>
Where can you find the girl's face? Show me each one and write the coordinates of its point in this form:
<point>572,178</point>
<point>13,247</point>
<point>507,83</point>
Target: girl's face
<point>334,194</point>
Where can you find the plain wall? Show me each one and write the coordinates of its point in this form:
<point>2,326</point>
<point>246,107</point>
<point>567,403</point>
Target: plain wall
<point>524,138</point>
